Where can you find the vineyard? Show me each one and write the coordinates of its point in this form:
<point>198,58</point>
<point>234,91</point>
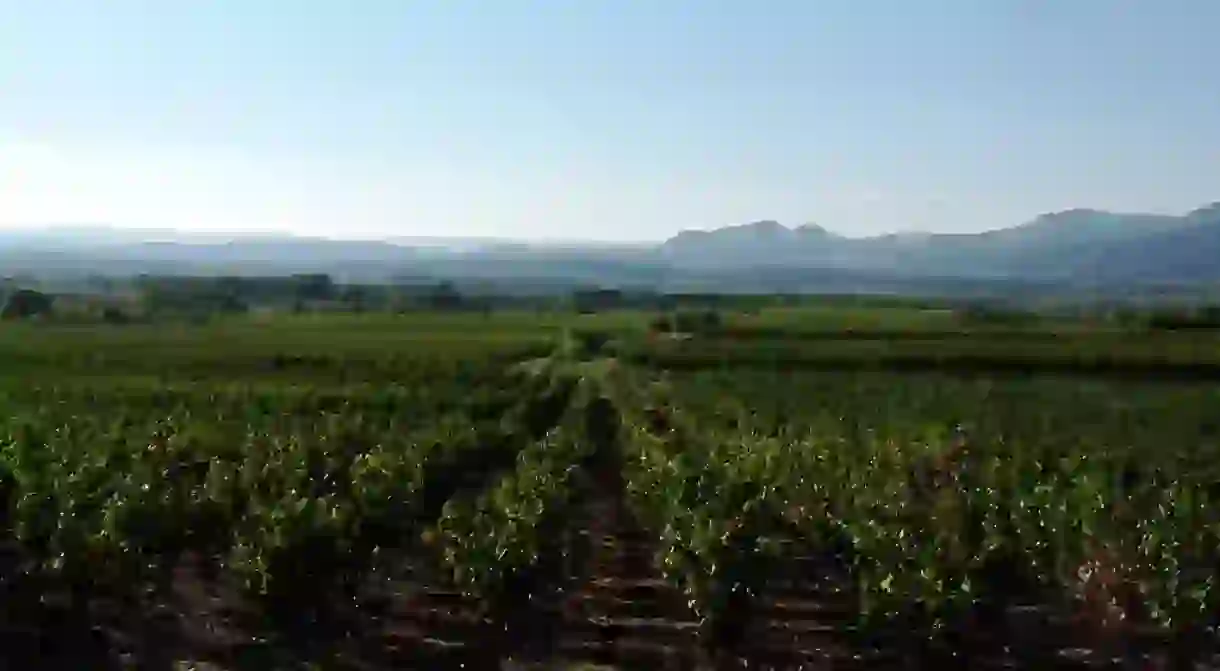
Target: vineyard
<point>515,498</point>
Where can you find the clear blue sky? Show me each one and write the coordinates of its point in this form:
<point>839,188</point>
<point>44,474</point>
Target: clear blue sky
<point>615,120</point>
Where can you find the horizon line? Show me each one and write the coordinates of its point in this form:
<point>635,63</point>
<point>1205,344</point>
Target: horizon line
<point>230,236</point>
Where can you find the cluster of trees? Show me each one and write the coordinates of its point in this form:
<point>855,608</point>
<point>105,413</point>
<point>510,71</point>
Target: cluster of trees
<point>25,304</point>
<point>320,292</point>
<point>688,322</point>
<point>28,304</point>
<point>1197,318</point>
<point>296,293</point>
<point>996,314</point>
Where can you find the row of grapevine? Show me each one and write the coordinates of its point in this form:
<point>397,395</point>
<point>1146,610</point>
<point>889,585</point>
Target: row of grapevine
<point>940,527</point>
<point>497,545</point>
<point>289,499</point>
<point>708,505</point>
<point>946,510</point>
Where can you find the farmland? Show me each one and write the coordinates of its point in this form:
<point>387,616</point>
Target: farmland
<point>799,487</point>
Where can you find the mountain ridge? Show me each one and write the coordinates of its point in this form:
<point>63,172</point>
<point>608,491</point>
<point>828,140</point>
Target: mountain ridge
<point>93,231</point>
<point>1074,244</point>
<point>1079,246</point>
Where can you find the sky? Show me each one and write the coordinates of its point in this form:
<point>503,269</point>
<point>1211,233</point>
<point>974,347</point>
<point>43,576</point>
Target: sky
<point>604,120</point>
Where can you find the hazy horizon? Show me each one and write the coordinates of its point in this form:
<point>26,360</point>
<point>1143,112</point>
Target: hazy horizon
<point>627,121</point>
<point>153,234</point>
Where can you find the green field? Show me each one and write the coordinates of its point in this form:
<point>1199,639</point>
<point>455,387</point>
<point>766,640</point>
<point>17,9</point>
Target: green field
<point>785,485</point>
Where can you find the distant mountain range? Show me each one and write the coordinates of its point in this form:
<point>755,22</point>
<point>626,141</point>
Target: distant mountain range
<point>1079,248</point>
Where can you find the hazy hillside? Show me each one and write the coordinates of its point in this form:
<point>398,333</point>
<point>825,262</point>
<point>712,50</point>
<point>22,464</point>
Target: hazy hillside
<point>1059,246</point>
<point>1187,254</point>
<point>1078,247</point>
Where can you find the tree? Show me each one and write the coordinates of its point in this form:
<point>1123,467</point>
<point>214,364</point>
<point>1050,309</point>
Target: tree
<point>687,321</point>
<point>314,287</point>
<point>594,300</point>
<point>445,296</point>
<point>114,315</point>
<point>25,303</point>
<point>356,297</point>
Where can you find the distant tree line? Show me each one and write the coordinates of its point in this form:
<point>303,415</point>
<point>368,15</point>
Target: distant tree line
<point>295,293</point>
<point>121,300</point>
<point>1173,319</point>
<point>320,292</point>
<point>979,313</point>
